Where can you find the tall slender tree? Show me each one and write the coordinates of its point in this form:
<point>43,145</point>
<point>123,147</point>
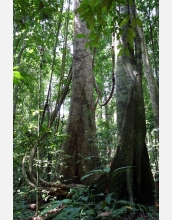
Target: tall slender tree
<point>79,153</point>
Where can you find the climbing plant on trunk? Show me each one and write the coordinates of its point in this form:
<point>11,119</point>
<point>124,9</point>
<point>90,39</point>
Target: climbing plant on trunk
<point>135,184</point>
<point>79,153</point>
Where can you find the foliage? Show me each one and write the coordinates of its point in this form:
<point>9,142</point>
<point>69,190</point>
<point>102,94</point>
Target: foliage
<point>106,170</point>
<point>103,18</point>
<point>20,206</point>
<point>85,205</point>
<point>39,33</point>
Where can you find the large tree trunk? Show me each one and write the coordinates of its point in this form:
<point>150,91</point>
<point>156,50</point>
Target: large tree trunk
<point>137,183</point>
<point>79,154</point>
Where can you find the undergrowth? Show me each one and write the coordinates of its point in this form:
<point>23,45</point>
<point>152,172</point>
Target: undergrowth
<point>86,206</point>
<point>83,205</point>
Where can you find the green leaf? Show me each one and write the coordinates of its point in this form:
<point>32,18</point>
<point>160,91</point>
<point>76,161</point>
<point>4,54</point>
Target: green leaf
<point>129,207</point>
<point>98,171</point>
<point>91,23</point>
<point>85,176</point>
<point>15,67</point>
<point>31,51</point>
<point>85,199</point>
<point>131,2</point>
<point>92,35</point>
<point>73,211</point>
<point>127,52</point>
<point>134,23</point>
<point>132,32</point>
<point>130,35</point>
<point>106,170</point>
<point>106,32</point>
<point>17,75</point>
<point>81,36</point>
<point>96,40</point>
<point>120,170</point>
<point>120,46</point>
<point>121,52</point>
<point>51,207</point>
<point>124,21</point>
<point>92,172</point>
<point>108,198</point>
<point>66,201</point>
<point>87,45</point>
<point>16,81</point>
<point>139,22</point>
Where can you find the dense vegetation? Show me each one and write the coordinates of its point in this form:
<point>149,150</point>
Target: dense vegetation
<point>43,36</point>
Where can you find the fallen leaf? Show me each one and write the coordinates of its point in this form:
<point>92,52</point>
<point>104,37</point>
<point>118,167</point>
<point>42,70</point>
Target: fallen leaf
<point>104,214</point>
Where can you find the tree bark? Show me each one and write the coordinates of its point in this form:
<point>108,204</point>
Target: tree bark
<point>135,184</point>
<point>79,153</point>
<point>153,90</point>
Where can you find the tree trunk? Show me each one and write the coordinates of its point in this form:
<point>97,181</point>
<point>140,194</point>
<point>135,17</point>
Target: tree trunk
<point>79,154</point>
<point>136,184</point>
<point>153,90</point>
